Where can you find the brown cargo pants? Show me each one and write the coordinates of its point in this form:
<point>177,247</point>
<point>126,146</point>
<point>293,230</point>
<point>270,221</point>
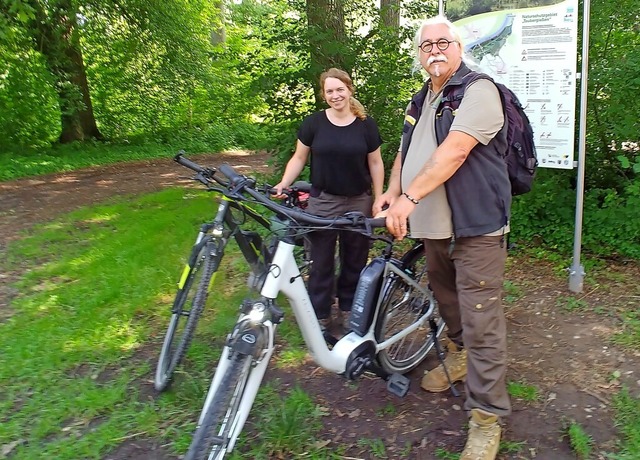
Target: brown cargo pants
<point>466,278</point>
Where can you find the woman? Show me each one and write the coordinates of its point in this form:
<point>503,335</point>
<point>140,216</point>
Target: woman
<point>347,175</point>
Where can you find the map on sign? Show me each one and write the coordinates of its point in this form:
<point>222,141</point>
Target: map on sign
<point>530,46</point>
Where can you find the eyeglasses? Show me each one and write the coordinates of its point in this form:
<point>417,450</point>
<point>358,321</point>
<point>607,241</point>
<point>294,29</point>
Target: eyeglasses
<point>442,44</point>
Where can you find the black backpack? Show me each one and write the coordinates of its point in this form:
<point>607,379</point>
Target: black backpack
<point>521,156</point>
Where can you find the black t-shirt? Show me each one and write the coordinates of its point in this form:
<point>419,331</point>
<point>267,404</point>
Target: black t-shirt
<point>339,153</point>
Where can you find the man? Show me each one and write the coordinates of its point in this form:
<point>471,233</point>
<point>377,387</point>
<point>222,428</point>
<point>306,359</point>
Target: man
<point>450,181</point>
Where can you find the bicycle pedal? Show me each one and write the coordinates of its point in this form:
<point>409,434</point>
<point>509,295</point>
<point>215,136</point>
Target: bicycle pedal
<point>398,385</point>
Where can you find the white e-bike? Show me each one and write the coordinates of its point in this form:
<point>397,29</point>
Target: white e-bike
<point>394,321</point>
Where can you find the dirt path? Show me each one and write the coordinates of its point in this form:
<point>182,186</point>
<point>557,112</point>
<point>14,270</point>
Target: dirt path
<point>566,355</point>
<point>25,202</point>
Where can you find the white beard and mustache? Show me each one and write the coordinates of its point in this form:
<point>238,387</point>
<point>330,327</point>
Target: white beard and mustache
<point>436,59</point>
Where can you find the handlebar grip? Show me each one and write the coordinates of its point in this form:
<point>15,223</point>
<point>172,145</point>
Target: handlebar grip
<point>302,185</point>
<point>378,222</point>
<point>230,173</point>
<point>180,159</point>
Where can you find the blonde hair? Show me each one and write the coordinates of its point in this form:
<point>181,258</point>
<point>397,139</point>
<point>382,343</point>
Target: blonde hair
<point>354,105</point>
<point>436,20</point>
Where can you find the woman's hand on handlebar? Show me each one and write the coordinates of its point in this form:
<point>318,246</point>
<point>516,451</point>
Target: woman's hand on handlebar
<point>278,190</point>
<point>383,202</point>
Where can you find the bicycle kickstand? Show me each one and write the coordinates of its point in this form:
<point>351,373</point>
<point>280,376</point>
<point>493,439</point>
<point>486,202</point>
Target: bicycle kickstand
<point>440,353</point>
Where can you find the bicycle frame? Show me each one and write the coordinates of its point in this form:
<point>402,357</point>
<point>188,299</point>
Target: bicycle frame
<point>284,276</point>
<point>390,305</point>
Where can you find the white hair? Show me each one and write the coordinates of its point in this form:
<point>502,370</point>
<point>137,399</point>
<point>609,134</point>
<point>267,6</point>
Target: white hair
<point>436,20</point>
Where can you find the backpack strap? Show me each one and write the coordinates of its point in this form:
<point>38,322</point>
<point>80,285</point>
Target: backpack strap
<point>452,95</point>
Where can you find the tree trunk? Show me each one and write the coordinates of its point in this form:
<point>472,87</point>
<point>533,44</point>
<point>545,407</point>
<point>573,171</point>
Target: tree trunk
<point>390,13</point>
<point>218,30</point>
<point>56,36</point>
<point>326,39</point>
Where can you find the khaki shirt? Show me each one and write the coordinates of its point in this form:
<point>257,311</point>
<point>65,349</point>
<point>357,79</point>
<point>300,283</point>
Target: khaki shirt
<point>479,115</point>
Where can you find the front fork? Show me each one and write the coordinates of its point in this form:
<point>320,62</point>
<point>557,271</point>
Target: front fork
<point>253,334</point>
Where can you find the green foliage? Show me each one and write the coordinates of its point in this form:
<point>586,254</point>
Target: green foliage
<point>512,292</point>
<point>24,85</point>
<point>377,62</point>
<point>546,216</point>
<point>613,105</point>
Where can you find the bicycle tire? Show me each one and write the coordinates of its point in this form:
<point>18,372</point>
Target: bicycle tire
<point>193,295</point>
<point>211,438</point>
<point>400,309</point>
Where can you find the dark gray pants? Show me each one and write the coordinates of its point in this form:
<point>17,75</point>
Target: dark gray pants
<point>467,283</point>
<point>353,253</point>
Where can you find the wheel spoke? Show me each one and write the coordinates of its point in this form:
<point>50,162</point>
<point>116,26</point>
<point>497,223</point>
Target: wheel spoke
<point>401,308</point>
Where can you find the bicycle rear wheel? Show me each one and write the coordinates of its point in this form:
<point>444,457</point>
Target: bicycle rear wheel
<point>402,306</point>
<point>189,302</point>
<point>211,439</point>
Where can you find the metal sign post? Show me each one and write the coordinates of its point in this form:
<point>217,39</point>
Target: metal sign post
<point>576,272</point>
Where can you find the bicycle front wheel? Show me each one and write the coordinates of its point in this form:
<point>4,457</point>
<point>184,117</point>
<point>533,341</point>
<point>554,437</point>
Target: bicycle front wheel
<point>212,437</point>
<point>189,302</point>
<point>402,306</point>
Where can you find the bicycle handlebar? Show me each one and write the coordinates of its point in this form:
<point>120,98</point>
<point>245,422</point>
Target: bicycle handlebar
<point>239,183</point>
<point>180,158</point>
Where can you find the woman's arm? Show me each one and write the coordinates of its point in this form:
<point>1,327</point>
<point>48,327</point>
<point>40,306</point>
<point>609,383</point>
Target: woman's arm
<point>376,169</point>
<point>294,166</point>
<point>393,189</point>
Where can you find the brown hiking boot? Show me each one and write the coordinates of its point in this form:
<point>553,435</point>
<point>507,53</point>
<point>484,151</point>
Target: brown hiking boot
<point>436,381</point>
<point>483,440</point>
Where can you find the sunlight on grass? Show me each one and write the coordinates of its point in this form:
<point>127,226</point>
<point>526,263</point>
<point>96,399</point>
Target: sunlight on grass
<point>97,219</point>
<point>93,302</point>
<point>87,299</point>
<point>291,358</point>
<point>96,293</point>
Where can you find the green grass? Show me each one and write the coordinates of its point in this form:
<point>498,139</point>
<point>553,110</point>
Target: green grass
<point>512,292</point>
<point>580,440</point>
<point>68,157</point>
<point>95,290</point>
<point>78,352</point>
<point>287,422</point>
<point>94,296</point>
<point>74,156</point>
<point>522,391</point>
<point>630,335</point>
<point>571,303</point>
<point>627,420</point>
<point>375,447</point>
<point>445,454</point>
